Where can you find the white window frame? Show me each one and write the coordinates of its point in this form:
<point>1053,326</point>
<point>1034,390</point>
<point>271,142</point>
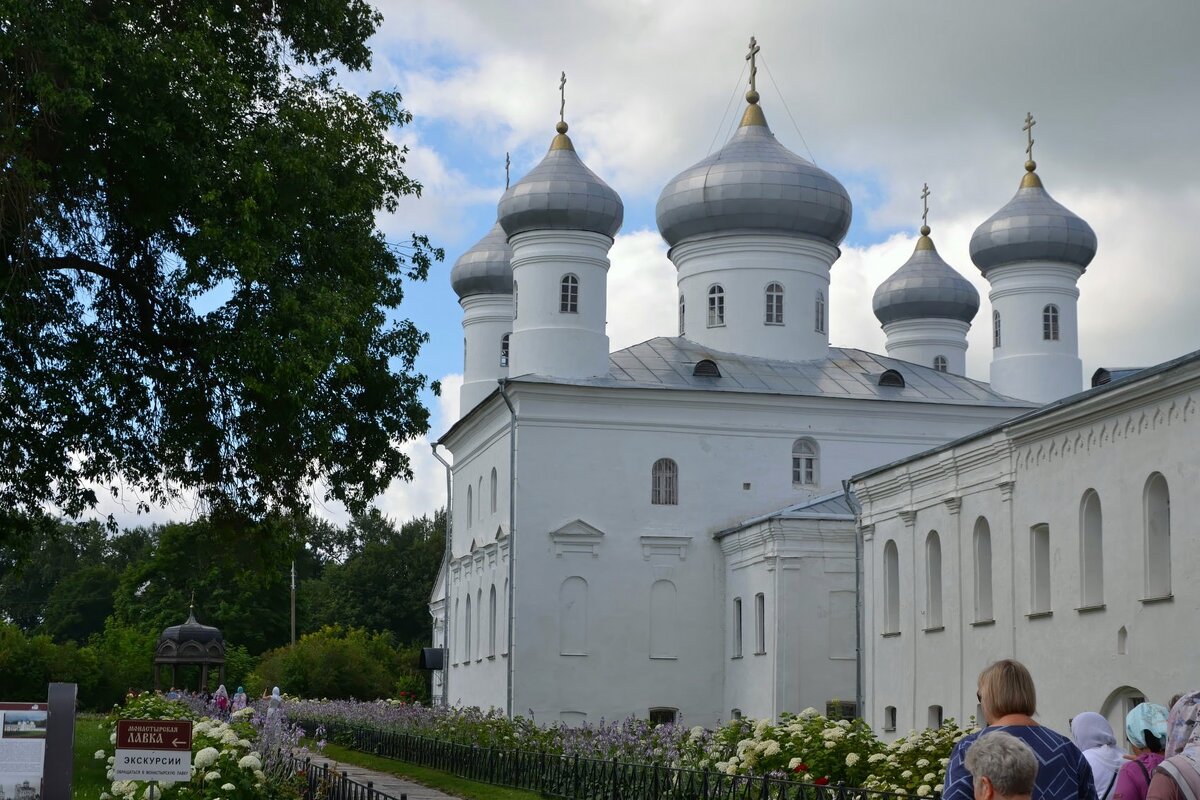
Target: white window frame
<point>568,294</point>
<point>995,329</point>
<point>737,627</point>
<point>504,342</point>
<point>682,326</point>
<point>1156,506</point>
<point>819,312</point>
<point>774,304</point>
<point>1050,329</point>
<point>806,462</point>
<point>760,624</point>
<point>716,306</point>
<point>941,364</point>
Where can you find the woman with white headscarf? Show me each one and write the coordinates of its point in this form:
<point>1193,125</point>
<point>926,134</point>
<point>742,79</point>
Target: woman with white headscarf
<point>1178,778</point>
<point>275,703</point>
<point>1146,730</point>
<point>1094,736</point>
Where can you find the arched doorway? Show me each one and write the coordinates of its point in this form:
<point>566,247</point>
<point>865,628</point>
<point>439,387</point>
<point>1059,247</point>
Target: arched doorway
<point>1119,703</point>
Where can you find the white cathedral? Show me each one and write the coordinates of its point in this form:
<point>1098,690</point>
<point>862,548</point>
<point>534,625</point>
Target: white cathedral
<point>745,520</point>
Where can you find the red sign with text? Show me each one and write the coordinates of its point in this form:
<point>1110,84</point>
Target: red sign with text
<point>154,734</point>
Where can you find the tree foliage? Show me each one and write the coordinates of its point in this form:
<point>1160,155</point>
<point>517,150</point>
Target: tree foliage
<point>194,293</point>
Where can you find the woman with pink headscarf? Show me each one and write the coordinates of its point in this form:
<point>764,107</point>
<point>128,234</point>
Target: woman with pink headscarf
<point>1178,777</point>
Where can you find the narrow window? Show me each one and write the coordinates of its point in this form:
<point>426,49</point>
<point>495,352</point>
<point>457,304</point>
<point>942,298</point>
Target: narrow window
<point>933,581</point>
<point>504,616</point>
<point>664,620</point>
<point>663,716</point>
<point>479,494</point>
<point>805,462</point>
<point>995,329</point>
<point>682,329</point>
<point>1091,551</point>
<point>774,304</point>
<point>568,296</point>
<point>983,570</point>
<point>716,306</point>
<point>737,627</point>
<point>479,626</point>
<point>819,315</point>
<point>470,507</point>
<point>467,633</point>
<point>457,628</point>
<point>941,364</point>
<point>1039,574</point>
<point>492,621</point>
<point>515,306</point>
<point>1050,323</point>
<point>493,481</point>
<point>760,624</point>
<point>891,588</point>
<point>664,483</point>
<point>935,716</point>
<point>504,349</point>
<point>1157,504</point>
<point>889,718</point>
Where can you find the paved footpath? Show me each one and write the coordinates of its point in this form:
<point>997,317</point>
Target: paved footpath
<point>383,782</point>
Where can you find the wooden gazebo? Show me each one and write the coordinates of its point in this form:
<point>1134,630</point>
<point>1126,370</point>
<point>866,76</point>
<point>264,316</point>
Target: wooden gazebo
<point>190,644</point>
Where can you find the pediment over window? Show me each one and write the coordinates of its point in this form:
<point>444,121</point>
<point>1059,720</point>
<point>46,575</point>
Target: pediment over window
<point>577,537</point>
<point>500,534</point>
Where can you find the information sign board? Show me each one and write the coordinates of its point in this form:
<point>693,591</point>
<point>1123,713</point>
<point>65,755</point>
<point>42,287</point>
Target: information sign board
<point>153,750</point>
<point>22,749</point>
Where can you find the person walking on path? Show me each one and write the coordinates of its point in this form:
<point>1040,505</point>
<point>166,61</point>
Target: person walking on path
<point>1146,730</point>
<point>1002,767</point>
<point>1009,702</point>
<point>1094,736</point>
<point>1178,776</point>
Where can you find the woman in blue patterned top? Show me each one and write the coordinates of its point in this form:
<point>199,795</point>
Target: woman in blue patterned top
<point>1009,702</point>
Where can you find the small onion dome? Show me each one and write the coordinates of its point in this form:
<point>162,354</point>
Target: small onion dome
<point>1032,226</point>
<point>192,631</point>
<point>926,286</point>
<point>754,183</point>
<point>561,193</point>
<point>486,268</point>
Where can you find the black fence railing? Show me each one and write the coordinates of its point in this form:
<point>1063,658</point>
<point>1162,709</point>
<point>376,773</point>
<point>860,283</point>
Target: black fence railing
<point>576,778</point>
<point>323,782</point>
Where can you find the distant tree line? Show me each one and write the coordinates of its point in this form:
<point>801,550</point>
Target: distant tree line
<point>80,603</point>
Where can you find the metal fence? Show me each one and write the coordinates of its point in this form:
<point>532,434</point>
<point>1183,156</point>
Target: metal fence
<point>576,778</point>
<point>323,782</point>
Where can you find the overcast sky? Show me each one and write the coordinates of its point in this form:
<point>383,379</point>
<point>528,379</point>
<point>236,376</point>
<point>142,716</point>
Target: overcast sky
<point>886,95</point>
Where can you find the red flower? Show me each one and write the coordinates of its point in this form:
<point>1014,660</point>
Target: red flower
<point>801,767</point>
<point>822,780</point>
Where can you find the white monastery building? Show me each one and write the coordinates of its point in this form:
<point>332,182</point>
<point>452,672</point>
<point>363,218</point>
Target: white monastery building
<point>669,530</point>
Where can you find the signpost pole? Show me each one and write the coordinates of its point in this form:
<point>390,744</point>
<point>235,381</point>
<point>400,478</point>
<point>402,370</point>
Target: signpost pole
<point>60,741</point>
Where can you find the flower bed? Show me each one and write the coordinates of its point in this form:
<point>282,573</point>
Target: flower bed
<point>245,757</point>
<point>807,746</point>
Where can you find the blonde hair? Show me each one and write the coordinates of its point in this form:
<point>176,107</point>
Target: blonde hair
<point>1007,688</point>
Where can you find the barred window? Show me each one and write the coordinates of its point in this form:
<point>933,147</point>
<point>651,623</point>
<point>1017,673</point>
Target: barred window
<point>995,329</point>
<point>774,304</point>
<point>568,298</point>
<point>941,364</point>
<point>664,483</point>
<point>820,312</point>
<point>681,307</point>
<point>504,349</point>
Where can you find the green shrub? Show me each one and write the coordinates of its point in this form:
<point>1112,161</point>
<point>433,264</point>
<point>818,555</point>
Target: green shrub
<point>334,662</point>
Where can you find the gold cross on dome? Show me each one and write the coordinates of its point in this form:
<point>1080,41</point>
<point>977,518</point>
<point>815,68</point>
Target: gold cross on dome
<point>925,205</point>
<point>562,91</point>
<point>1028,128</point>
<point>751,57</point>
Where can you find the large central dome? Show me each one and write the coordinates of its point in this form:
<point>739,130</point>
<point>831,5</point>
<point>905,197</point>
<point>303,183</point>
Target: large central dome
<point>754,183</point>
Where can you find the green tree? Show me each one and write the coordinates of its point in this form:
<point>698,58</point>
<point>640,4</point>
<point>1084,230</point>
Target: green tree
<point>336,662</point>
<point>195,294</point>
<point>385,582</point>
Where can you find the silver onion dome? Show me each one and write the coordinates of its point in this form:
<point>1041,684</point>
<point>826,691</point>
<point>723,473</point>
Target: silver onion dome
<point>561,193</point>
<point>754,183</point>
<point>486,268</point>
<point>925,286</point>
<point>1032,226</point>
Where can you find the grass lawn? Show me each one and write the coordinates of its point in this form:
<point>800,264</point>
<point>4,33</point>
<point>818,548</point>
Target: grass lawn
<point>90,735</point>
<point>450,784</point>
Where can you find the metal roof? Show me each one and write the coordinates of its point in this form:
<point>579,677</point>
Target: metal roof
<point>925,286</point>
<point>830,506</point>
<point>486,268</point>
<point>668,362</point>
<point>1033,226</point>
